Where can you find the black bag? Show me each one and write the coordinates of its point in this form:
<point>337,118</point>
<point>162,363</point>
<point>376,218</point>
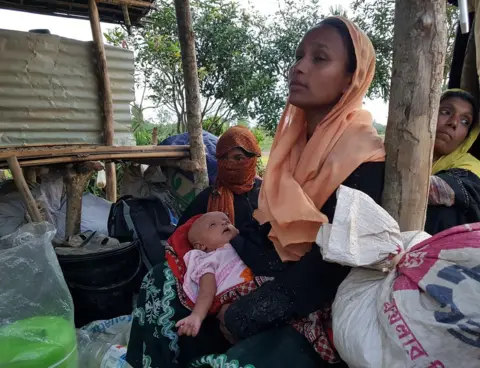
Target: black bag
<point>146,219</point>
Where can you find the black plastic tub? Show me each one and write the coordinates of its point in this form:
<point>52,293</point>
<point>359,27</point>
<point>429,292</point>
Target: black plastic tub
<point>103,284</point>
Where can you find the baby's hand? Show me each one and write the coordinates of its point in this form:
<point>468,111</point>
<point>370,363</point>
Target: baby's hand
<point>189,326</point>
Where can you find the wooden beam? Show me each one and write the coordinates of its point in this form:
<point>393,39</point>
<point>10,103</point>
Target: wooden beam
<point>133,3</point>
<point>111,176</point>
<point>184,164</point>
<point>103,157</point>
<point>155,136</point>
<point>76,178</point>
<point>41,9</point>
<point>126,18</point>
<point>23,189</point>
<point>419,55</point>
<point>106,93</point>
<point>43,152</point>
<point>192,91</point>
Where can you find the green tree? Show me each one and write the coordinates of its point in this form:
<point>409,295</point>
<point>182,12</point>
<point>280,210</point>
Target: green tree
<point>228,47</point>
<point>376,18</point>
<point>281,35</point>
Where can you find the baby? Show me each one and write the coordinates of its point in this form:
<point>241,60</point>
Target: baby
<point>213,267</point>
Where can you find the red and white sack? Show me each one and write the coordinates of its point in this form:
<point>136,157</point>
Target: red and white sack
<point>417,304</point>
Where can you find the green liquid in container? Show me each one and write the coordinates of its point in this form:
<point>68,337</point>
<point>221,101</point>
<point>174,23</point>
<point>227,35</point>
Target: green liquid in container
<point>38,342</point>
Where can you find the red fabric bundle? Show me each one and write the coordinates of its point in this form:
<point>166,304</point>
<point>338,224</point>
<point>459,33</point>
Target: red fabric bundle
<point>178,246</point>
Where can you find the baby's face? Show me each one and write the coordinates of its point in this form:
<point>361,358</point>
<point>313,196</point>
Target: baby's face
<point>211,231</point>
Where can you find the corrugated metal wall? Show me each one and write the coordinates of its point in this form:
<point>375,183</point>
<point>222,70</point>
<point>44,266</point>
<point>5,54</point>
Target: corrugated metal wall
<point>49,91</point>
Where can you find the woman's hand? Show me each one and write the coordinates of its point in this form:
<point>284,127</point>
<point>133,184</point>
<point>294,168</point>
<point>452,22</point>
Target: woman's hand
<point>221,317</point>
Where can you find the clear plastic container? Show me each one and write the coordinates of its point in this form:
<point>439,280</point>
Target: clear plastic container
<point>93,352</point>
<point>36,308</point>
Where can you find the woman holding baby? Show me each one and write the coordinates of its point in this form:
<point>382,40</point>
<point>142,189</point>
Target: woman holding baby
<point>324,139</point>
<point>280,317</point>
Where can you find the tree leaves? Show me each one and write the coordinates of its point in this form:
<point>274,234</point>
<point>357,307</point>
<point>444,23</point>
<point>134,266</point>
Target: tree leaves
<point>244,58</point>
<point>376,18</point>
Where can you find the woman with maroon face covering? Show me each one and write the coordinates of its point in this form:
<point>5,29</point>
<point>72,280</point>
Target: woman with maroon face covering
<point>237,187</point>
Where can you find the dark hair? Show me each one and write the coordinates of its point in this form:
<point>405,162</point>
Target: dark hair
<point>343,31</point>
<point>465,96</point>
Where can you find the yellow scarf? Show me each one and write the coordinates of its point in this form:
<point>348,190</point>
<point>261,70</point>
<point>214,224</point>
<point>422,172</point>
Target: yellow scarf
<point>460,158</point>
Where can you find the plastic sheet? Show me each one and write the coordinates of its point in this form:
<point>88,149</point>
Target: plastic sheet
<point>36,309</point>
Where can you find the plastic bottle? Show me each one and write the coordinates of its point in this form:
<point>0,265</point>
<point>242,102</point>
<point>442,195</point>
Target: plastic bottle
<point>96,353</point>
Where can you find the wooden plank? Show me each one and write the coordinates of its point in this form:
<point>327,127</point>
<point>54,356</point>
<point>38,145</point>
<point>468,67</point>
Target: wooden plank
<point>132,3</point>
<point>42,9</point>
<point>419,55</point>
<point>192,91</point>
<point>102,157</point>
<point>45,146</point>
<point>61,151</point>
<point>23,189</point>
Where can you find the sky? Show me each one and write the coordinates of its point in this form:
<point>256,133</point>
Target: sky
<point>80,30</point>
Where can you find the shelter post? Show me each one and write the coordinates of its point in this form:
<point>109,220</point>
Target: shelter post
<point>23,189</point>
<point>106,94</point>
<point>192,92</point>
<point>418,60</point>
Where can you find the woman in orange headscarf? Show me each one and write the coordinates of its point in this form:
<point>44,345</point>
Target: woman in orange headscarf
<point>237,187</point>
<point>324,139</point>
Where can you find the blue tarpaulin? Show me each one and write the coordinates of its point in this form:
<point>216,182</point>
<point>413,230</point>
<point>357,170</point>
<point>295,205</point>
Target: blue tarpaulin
<point>210,142</point>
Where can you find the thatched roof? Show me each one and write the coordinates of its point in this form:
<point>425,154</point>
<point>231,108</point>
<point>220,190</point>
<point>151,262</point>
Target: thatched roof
<point>78,9</point>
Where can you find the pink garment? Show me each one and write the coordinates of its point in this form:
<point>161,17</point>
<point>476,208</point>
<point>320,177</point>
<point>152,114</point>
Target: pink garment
<point>224,262</point>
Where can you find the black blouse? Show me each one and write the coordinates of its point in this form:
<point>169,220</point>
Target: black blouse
<point>466,209</point>
<point>244,205</point>
<point>299,287</point>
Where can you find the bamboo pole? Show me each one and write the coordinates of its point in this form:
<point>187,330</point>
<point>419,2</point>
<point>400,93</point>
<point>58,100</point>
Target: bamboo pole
<point>105,87</point>
<point>192,91</point>
<point>126,19</point>
<point>155,136</point>
<point>23,189</point>
<point>419,55</point>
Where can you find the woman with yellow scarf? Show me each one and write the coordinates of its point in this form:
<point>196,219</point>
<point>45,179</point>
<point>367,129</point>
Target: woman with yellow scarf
<point>454,197</point>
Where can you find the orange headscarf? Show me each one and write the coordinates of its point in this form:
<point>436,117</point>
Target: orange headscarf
<point>234,177</point>
<point>301,175</point>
